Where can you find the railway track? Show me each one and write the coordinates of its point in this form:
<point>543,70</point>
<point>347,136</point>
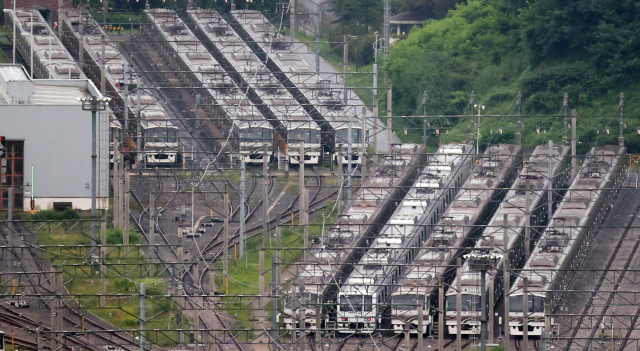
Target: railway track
<point>601,296</point>
<point>32,262</point>
<point>533,344</point>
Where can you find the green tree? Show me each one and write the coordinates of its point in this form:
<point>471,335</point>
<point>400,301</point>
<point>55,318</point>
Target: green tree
<point>365,13</point>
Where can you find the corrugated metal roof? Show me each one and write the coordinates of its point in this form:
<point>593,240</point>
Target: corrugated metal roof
<point>57,95</point>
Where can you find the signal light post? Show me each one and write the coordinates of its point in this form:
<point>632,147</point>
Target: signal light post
<point>94,104</point>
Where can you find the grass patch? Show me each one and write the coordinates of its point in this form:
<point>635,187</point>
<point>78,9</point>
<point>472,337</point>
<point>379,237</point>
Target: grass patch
<point>123,278</point>
<point>244,273</point>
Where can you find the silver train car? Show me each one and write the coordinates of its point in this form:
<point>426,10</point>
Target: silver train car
<point>39,47</point>
<point>541,171</point>
<point>565,242</point>
<point>360,302</point>
<point>220,98</point>
<point>328,262</point>
<point>437,249</point>
<point>323,98</point>
<point>264,90</point>
<point>157,136</point>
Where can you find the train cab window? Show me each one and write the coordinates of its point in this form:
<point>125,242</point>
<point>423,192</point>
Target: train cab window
<point>310,136</point>
<point>470,302</point>
<point>351,303</point>
<point>172,135</point>
<point>251,134</point>
<point>161,135</point>
<point>368,303</point>
<point>404,302</point>
<point>536,304</point>
<point>342,136</point>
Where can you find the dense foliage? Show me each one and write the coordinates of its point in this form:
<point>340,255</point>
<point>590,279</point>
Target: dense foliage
<point>543,48</point>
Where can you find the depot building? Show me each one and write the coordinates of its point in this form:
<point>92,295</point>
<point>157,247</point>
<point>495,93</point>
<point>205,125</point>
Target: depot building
<point>47,139</point>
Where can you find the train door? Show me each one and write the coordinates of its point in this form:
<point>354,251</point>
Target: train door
<point>12,174</point>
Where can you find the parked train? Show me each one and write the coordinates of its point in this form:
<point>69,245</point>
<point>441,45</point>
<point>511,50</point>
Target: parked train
<point>345,242</point>
<point>226,102</point>
<point>565,242</point>
<point>138,111</point>
<point>421,262</point>
<point>362,300</point>
<point>323,98</point>
<point>541,176</point>
<point>39,47</point>
<point>264,90</point>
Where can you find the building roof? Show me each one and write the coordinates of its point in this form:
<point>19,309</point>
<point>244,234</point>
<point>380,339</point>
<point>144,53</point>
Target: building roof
<point>409,17</point>
<point>16,87</point>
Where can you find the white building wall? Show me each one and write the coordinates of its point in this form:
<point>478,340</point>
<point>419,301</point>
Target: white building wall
<point>57,143</point>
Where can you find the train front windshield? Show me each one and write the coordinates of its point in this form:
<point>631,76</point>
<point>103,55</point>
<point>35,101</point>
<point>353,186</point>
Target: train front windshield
<point>310,136</point>
<point>356,303</point>
<point>161,135</point>
<point>536,304</point>
<point>255,134</point>
<point>470,302</point>
<point>407,302</point>
<point>342,136</point>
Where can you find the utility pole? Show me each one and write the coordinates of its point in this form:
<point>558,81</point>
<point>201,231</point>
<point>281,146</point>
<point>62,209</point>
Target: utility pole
<point>225,257</point>
<point>506,279</point>
<point>60,4</point>
<point>116,175</point>
<point>139,125</point>
<point>143,316</point>
<point>365,134</point>
<point>242,206</point>
<point>375,107</point>
<point>527,223</point>
<point>103,256</point>
<point>303,202</point>
<point>126,101</point>
<point>152,223</point>
<point>94,104</point>
<point>389,112</point>
<point>195,127</point>
<point>574,117</point>
<point>550,184</point>
<point>386,27</point>
<point>14,19</point>
<point>274,305</point>
<point>565,108</point>
<point>472,125</point>
<point>292,19</point>
<point>265,194</point>
<point>621,137</point>
<point>103,89</point>
<point>459,304</point>
<point>349,156</point>
<point>519,126</point>
<point>441,317</point>
<point>105,9</point>
<point>345,65</point>
<point>525,314</point>
<point>318,29</point>
<point>424,122</point>
<point>420,322</point>
<point>127,198</point>
<point>80,37</point>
